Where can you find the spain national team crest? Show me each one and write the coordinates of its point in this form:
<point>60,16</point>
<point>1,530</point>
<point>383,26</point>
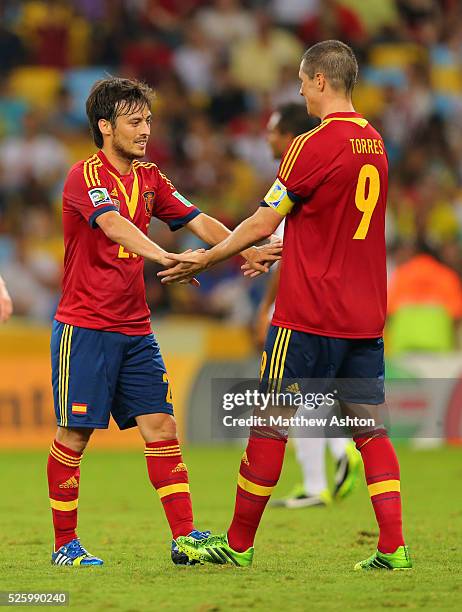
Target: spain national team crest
<point>148,197</point>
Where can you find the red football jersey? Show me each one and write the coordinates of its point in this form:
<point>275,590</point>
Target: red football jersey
<point>332,185</point>
<point>103,284</point>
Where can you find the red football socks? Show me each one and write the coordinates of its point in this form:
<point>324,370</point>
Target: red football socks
<point>63,484</point>
<point>383,481</point>
<point>259,473</point>
<point>169,477</point>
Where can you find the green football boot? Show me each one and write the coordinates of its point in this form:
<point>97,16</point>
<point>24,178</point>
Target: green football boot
<point>399,560</point>
<point>214,549</point>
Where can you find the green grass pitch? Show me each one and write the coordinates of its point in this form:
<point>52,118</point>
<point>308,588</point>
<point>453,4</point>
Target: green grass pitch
<point>303,561</point>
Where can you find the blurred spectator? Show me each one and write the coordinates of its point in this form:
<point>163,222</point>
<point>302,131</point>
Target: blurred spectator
<point>251,145</point>
<point>146,58</point>
<point>55,34</point>
<point>376,16</point>
<point>193,61</point>
<point>256,61</point>
<point>226,21</point>
<point>424,301</point>
<point>227,100</point>
<point>33,155</point>
<point>31,283</point>
<point>62,122</point>
<point>6,306</point>
<point>294,12</point>
<point>289,88</point>
<point>12,110</point>
<point>333,21</point>
<point>12,52</point>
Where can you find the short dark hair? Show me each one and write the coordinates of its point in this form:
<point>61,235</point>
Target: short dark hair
<point>336,61</point>
<point>294,119</point>
<point>110,98</point>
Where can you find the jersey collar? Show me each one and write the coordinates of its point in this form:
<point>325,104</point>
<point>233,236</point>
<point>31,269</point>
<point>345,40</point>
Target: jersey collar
<point>110,167</point>
<point>346,115</point>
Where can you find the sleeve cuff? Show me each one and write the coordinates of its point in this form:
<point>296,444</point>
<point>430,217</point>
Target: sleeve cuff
<point>176,224</point>
<point>99,212</point>
<point>294,197</point>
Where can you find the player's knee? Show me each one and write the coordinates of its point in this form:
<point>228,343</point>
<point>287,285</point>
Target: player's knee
<point>75,439</point>
<point>157,427</point>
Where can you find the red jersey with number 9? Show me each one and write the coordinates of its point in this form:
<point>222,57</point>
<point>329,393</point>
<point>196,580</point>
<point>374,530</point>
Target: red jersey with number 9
<point>332,185</point>
<point>103,284</point>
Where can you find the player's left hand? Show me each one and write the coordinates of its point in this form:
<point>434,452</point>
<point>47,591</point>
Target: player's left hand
<point>260,259</point>
<point>187,265</point>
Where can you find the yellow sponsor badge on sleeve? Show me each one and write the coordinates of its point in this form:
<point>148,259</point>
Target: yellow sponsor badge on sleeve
<point>278,198</point>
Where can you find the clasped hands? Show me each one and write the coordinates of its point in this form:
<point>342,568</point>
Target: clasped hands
<point>182,267</point>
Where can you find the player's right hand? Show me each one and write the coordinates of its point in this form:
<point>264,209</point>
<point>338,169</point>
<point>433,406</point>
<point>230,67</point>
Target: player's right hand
<point>6,305</point>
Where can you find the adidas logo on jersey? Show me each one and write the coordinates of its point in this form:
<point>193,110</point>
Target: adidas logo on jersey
<point>114,193</point>
<point>72,483</point>
<point>294,388</point>
<point>245,459</point>
<point>181,467</point>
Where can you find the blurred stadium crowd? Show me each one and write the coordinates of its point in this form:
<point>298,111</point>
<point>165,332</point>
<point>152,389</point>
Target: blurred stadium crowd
<point>219,68</point>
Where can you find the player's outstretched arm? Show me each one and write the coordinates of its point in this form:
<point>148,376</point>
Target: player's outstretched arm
<point>212,231</point>
<point>123,232</point>
<point>253,229</point>
<point>6,306</point>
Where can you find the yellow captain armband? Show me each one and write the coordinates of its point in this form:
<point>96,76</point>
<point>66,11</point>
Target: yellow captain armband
<point>278,198</point>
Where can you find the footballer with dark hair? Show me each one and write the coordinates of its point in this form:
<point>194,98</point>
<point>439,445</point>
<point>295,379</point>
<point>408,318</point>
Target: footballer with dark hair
<point>105,359</point>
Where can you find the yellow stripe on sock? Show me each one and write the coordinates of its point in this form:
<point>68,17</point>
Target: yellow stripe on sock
<point>64,461</point>
<point>62,457</point>
<point>66,506</point>
<point>181,487</point>
<point>159,452</point>
<point>64,454</point>
<point>67,462</point>
<point>386,486</point>
<point>171,452</point>
<point>162,449</point>
<point>168,454</point>
<point>251,487</point>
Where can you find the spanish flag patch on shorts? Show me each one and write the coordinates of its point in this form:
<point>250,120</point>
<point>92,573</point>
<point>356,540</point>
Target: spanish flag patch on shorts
<point>79,408</point>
